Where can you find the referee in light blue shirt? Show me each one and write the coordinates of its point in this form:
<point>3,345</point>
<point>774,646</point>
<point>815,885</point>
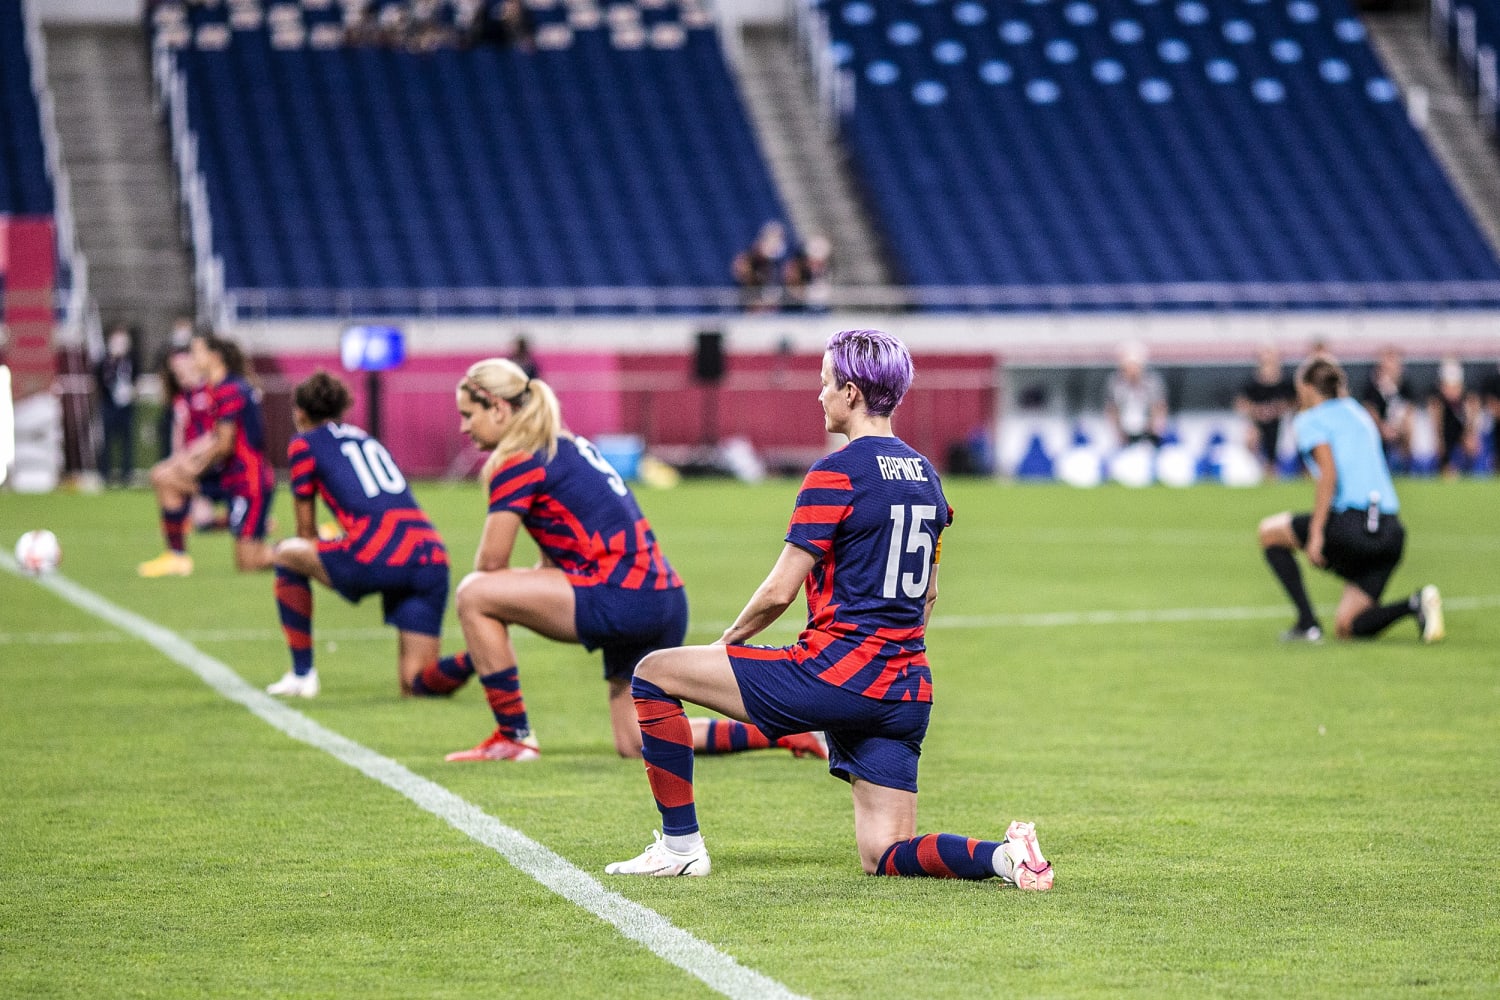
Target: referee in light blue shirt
<point>1354,529</point>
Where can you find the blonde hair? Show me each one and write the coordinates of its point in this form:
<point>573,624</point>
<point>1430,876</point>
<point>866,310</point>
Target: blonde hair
<point>537,420</point>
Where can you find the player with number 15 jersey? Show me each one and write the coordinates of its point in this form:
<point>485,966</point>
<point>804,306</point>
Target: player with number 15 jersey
<point>864,545</point>
<point>387,546</point>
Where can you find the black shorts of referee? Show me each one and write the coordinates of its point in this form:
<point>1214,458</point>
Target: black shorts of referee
<point>1353,551</point>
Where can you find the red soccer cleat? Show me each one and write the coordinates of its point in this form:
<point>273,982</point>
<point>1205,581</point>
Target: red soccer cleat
<point>498,746</point>
<point>806,744</point>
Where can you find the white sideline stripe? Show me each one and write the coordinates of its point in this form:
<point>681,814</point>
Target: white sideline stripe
<point>1043,619</point>
<point>1149,616</point>
<point>639,923</point>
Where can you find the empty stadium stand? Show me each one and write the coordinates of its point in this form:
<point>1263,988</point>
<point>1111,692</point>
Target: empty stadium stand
<point>615,154</point>
<point>1242,153</point>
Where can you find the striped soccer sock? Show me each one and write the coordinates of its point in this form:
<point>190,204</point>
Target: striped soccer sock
<point>443,677</point>
<point>940,855</point>
<point>294,606</point>
<point>174,528</point>
<point>667,746</point>
<point>503,691</point>
<point>728,736</point>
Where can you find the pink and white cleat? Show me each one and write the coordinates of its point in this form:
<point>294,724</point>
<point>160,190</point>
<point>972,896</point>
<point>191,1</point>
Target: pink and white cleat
<point>1029,869</point>
<point>498,746</point>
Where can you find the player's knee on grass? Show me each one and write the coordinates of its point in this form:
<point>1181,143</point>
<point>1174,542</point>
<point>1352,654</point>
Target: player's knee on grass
<point>1276,530</point>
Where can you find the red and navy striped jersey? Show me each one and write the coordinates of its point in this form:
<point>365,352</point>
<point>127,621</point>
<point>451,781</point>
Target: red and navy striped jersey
<point>583,516</point>
<point>871,513</point>
<point>193,411</point>
<point>365,490</point>
<point>247,467</point>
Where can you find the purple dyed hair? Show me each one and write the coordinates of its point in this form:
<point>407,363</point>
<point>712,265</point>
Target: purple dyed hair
<point>877,363</point>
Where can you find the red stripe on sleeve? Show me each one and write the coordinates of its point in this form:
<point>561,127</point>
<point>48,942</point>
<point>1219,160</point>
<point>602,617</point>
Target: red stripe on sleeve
<point>825,480</point>
<point>499,491</point>
<point>820,514</point>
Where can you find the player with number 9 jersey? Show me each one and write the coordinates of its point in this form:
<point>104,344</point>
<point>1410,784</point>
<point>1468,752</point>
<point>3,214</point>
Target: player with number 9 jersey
<point>603,580</point>
<point>387,545</point>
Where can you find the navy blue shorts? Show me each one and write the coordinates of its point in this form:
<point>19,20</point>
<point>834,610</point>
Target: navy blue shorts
<point>210,485</point>
<point>249,512</point>
<point>628,624</point>
<point>413,596</point>
<point>876,741</point>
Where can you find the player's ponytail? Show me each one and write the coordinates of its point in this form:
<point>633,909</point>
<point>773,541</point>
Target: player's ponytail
<point>537,417</point>
<point>1324,376</point>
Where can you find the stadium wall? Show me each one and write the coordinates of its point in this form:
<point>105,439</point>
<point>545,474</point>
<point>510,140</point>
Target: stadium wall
<point>635,376</point>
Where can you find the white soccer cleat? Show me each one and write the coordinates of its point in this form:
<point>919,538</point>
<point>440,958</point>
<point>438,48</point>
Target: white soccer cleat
<point>1430,614</point>
<point>663,862</point>
<point>1029,870</point>
<point>293,686</point>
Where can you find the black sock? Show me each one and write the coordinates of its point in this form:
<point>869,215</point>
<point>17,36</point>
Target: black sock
<point>1284,565</point>
<point>1376,620</point>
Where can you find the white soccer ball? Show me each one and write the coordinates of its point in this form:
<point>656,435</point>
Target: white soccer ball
<point>38,552</point>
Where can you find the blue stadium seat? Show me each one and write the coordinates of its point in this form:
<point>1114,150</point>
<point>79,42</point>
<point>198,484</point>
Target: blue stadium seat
<point>1094,142</point>
<point>584,163</point>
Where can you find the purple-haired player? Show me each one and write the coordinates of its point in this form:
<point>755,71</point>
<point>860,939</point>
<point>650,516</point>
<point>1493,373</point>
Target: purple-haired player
<point>864,540</point>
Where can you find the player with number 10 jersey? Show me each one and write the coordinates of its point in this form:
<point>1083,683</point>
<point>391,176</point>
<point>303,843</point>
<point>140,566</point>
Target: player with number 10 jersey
<point>387,545</point>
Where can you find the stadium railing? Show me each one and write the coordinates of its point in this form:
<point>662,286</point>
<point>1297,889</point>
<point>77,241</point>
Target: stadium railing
<point>252,304</point>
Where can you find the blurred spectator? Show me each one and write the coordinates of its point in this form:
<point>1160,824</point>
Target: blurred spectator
<point>1136,400</point>
<point>1388,397</point>
<point>1490,393</point>
<point>115,375</point>
<point>522,356</point>
<point>808,274</point>
<point>1456,418</point>
<point>758,267</point>
<point>1267,397</point>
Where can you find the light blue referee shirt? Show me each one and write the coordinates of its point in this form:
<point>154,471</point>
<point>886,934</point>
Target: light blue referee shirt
<point>1358,457</point>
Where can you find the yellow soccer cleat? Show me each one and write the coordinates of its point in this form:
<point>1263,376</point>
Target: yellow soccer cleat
<point>167,564</point>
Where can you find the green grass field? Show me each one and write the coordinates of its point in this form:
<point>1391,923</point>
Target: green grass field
<point>1228,816</point>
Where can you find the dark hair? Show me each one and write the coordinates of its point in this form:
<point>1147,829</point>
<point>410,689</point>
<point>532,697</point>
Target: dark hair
<point>322,397</point>
<point>1324,376</point>
<point>172,388</point>
<point>234,358</point>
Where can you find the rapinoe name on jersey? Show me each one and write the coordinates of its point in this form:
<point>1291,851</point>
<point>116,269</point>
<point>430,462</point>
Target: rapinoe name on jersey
<point>901,468</point>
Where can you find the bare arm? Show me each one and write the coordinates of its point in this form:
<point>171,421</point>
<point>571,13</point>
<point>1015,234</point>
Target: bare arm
<point>497,541</point>
<point>307,518</point>
<point>932,592</point>
<point>219,446</point>
<point>1322,503</point>
<point>773,596</point>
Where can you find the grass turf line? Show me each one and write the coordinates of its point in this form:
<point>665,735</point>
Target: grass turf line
<point>1229,816</point>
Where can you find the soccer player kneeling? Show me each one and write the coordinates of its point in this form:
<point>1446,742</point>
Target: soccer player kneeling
<point>864,539</point>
